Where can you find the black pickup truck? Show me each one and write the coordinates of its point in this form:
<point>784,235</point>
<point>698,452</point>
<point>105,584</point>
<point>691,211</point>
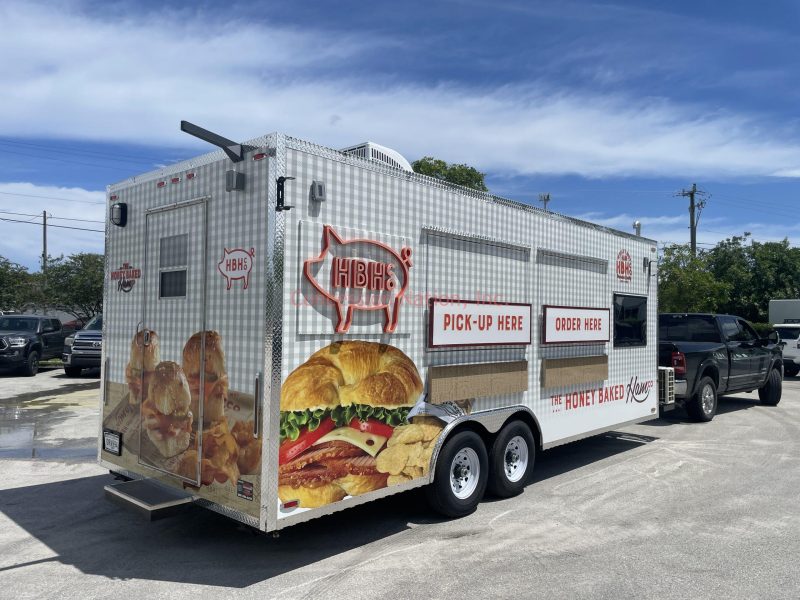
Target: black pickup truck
<point>718,354</point>
<point>27,339</point>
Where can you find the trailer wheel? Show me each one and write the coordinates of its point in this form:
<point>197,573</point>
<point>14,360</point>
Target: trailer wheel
<point>460,476</point>
<point>703,405</point>
<point>770,393</point>
<point>511,460</point>
<point>791,370</point>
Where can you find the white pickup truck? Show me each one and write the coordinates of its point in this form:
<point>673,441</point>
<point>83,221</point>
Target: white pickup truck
<point>790,339</point>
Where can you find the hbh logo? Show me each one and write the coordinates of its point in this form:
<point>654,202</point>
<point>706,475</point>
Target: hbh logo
<point>236,264</point>
<point>364,275</point>
<point>624,266</point>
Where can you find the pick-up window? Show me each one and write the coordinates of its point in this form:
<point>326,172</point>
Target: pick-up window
<point>630,320</point>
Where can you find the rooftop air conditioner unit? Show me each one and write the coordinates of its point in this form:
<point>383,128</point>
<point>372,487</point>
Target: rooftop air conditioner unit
<point>378,153</point>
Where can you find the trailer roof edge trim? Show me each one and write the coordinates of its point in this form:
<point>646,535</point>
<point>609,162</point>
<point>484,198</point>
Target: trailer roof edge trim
<point>333,154</point>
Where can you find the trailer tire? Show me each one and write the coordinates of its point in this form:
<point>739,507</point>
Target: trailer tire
<point>703,406</point>
<point>511,460</point>
<point>770,393</point>
<point>791,370</point>
<point>460,476</point>
<point>72,371</point>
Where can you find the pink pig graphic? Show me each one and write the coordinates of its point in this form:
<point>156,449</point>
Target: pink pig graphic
<point>236,264</point>
<point>361,283</point>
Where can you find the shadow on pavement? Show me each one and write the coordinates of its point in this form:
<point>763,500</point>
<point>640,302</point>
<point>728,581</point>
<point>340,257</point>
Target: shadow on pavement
<point>725,404</point>
<point>73,519</point>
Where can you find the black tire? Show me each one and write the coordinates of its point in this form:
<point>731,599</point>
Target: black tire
<point>698,409</point>
<point>440,493</point>
<point>791,370</point>
<point>770,393</point>
<point>31,367</point>
<point>504,479</point>
<point>72,371</point>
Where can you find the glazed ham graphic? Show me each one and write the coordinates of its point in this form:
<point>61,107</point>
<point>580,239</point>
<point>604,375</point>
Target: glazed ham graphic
<point>359,274</point>
<point>236,264</point>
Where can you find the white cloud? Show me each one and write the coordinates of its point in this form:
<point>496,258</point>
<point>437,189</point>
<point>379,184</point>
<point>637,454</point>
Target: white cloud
<point>674,229</point>
<point>68,74</point>
<point>22,242</point>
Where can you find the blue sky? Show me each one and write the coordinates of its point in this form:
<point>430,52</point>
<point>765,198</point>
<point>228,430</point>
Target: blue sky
<point>610,107</point>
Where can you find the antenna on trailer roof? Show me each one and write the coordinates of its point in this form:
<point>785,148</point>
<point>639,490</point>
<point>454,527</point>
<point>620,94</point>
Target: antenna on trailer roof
<point>234,151</point>
<point>544,199</point>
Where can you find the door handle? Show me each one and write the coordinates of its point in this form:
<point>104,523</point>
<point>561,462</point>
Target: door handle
<point>257,407</point>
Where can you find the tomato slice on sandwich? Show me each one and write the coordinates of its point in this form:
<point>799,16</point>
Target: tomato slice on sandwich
<point>372,426</point>
<point>292,448</point>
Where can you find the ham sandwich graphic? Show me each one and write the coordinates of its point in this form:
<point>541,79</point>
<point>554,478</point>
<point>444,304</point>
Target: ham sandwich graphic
<point>363,275</point>
<point>236,264</point>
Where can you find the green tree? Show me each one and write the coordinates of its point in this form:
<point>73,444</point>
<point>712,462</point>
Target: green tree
<point>15,282</point>
<point>459,174</point>
<point>756,273</point>
<point>75,284</point>
<point>685,284</point>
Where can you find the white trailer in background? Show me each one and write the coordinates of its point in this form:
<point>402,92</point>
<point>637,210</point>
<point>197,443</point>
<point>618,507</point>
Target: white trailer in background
<point>784,311</point>
<point>291,330</point>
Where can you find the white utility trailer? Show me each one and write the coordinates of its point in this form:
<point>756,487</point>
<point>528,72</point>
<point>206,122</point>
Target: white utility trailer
<point>291,330</point>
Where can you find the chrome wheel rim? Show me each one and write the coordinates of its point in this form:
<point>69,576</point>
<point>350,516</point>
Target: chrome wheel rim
<point>464,473</point>
<point>516,458</point>
<point>707,399</point>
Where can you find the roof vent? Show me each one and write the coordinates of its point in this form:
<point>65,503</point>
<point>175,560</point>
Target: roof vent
<point>378,153</point>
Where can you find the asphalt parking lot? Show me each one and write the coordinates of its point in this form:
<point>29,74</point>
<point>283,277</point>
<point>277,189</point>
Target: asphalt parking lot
<point>663,509</point>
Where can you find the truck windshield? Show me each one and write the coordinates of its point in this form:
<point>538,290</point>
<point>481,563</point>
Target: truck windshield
<point>788,333</point>
<point>687,328</point>
<point>95,324</point>
<point>18,324</point>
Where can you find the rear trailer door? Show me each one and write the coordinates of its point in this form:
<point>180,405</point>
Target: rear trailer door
<point>170,434</point>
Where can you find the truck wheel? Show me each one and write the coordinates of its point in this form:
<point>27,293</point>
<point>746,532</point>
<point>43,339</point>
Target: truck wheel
<point>460,476</point>
<point>72,371</point>
<point>791,370</point>
<point>31,366</point>
<point>511,460</point>
<point>770,392</point>
<point>703,406</point>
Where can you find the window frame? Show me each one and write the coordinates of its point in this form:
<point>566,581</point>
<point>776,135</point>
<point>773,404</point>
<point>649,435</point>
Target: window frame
<point>629,344</point>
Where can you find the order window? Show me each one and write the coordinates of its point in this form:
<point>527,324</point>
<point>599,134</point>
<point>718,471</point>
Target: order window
<point>630,320</point>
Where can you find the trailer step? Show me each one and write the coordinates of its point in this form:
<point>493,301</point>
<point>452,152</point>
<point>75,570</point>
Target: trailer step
<point>149,498</point>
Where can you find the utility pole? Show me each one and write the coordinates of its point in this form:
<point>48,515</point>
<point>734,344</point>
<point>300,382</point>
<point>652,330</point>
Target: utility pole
<point>44,240</point>
<point>544,199</point>
<point>695,206</point>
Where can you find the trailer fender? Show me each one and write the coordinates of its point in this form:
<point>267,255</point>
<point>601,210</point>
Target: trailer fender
<point>486,424</point>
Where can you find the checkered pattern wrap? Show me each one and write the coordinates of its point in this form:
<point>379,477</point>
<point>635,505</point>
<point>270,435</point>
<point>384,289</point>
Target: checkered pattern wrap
<point>471,247</point>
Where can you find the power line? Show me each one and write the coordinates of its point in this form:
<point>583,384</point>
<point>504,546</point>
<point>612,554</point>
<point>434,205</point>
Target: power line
<point>7,212</point>
<point>59,226</point>
<point>59,159</point>
<point>51,198</point>
<point>72,149</point>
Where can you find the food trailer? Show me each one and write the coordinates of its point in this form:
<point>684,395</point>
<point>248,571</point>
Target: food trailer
<point>291,330</point>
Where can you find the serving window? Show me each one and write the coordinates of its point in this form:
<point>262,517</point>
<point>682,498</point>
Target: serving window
<point>630,320</point>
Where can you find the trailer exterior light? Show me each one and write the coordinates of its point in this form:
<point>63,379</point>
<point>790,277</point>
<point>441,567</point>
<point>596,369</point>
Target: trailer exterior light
<point>190,176</point>
<point>260,156</point>
<point>161,184</point>
<point>175,180</point>
<point>119,214</point>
